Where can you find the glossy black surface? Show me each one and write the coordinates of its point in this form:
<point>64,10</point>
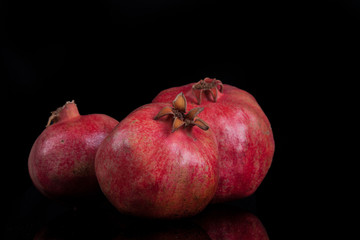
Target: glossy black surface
<point>295,58</point>
<point>36,217</point>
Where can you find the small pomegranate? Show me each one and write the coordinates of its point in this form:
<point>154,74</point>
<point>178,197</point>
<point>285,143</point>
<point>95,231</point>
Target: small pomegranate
<point>243,132</point>
<point>61,161</point>
<point>149,168</point>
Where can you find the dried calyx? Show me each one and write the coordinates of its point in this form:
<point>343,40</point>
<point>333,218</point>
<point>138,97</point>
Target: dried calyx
<point>180,118</point>
<point>207,85</point>
<point>68,111</point>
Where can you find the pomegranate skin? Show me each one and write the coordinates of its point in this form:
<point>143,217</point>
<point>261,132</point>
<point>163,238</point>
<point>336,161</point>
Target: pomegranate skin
<point>61,161</point>
<point>244,136</point>
<point>146,170</point>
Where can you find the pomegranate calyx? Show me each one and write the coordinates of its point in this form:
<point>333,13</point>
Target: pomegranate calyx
<point>180,118</point>
<point>66,112</point>
<point>207,85</point>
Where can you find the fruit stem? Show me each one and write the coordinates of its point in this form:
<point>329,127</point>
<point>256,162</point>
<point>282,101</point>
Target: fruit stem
<point>66,112</point>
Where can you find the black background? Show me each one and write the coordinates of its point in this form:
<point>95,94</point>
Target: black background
<point>295,57</point>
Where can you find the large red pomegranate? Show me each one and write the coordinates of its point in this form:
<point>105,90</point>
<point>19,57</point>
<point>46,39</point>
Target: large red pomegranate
<point>61,161</point>
<point>243,133</point>
<point>159,162</point>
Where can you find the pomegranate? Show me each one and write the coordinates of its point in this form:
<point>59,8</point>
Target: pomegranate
<point>231,222</point>
<point>243,132</point>
<point>149,168</point>
<point>61,161</point>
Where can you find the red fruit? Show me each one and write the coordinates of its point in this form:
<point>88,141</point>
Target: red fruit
<point>231,223</point>
<point>242,130</point>
<point>148,168</point>
<point>61,161</point>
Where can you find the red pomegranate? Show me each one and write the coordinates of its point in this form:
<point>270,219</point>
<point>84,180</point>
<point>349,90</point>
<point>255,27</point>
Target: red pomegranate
<point>231,223</point>
<point>242,130</point>
<point>159,162</point>
<point>61,161</point>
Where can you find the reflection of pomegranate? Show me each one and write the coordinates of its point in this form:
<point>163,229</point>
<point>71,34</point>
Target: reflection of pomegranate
<point>243,132</point>
<point>224,222</point>
<point>98,223</point>
<point>81,224</point>
<point>61,161</point>
<point>159,162</point>
<point>145,230</point>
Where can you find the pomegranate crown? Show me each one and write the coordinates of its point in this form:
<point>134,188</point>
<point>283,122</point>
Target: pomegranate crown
<point>66,112</point>
<point>207,85</point>
<point>180,117</point>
